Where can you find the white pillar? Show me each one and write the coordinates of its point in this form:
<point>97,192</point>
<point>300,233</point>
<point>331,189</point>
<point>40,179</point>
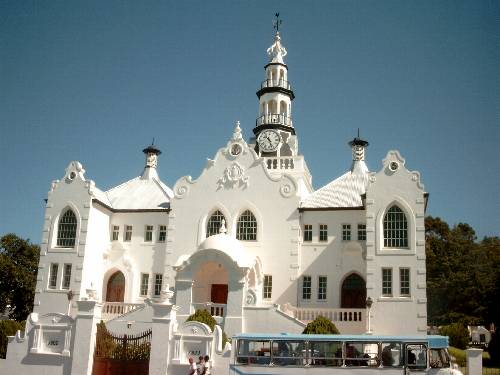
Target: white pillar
<point>89,314</point>
<point>474,361</point>
<point>162,344</point>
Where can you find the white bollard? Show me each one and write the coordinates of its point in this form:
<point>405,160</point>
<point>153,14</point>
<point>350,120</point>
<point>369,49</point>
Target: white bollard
<point>474,361</point>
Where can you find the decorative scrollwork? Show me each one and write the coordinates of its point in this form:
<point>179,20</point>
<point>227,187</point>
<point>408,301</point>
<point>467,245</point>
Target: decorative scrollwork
<point>233,175</point>
<point>251,298</point>
<point>181,191</point>
<point>287,190</point>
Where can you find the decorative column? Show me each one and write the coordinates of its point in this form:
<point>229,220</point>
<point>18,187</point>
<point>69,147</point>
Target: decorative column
<point>162,343</point>
<point>233,321</point>
<point>474,361</point>
<point>88,315</point>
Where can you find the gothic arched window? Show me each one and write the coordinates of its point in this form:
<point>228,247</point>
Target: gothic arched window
<point>246,228</point>
<point>215,223</point>
<point>66,230</point>
<point>395,228</point>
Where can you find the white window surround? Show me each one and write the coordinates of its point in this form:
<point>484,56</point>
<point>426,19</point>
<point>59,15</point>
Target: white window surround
<point>54,230</point>
<point>244,226</point>
<point>379,230</point>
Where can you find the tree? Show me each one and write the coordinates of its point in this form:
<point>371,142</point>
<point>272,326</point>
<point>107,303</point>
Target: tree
<point>321,325</point>
<point>203,316</point>
<point>18,270</point>
<point>458,334</point>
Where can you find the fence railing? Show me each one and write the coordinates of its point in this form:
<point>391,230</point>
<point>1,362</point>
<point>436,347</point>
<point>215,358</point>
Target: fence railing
<point>275,119</point>
<point>276,83</point>
<point>124,347</point>
<point>215,309</point>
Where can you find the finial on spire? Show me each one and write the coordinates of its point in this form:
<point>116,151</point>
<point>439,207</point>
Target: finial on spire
<point>358,146</point>
<point>237,132</point>
<point>222,228</point>
<point>152,153</point>
<point>277,51</point>
<point>277,22</point>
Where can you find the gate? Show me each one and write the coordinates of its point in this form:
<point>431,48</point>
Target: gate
<point>121,354</point>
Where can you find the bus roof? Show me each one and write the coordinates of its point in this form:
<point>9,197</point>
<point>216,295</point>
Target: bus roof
<point>434,341</point>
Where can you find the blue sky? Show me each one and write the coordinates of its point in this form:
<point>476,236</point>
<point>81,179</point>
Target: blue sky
<point>95,81</point>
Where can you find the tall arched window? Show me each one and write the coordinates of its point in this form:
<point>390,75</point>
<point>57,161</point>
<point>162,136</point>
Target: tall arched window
<point>66,230</point>
<point>214,223</point>
<point>395,228</point>
<point>246,228</point>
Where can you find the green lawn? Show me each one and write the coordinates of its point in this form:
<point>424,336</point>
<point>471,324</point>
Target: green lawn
<point>460,358</point>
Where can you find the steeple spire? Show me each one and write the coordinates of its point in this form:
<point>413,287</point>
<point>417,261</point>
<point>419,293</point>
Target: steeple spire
<point>151,153</point>
<point>358,147</point>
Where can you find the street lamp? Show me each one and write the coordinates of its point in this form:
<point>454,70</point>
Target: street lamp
<point>369,303</point>
<point>70,295</point>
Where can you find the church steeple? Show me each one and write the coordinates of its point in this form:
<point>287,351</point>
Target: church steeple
<point>274,126</point>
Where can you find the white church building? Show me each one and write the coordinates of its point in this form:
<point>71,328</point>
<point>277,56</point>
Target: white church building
<point>248,239</point>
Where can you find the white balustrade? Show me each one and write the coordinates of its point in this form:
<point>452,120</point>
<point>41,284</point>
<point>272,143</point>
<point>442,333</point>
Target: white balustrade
<point>111,310</point>
<point>215,309</point>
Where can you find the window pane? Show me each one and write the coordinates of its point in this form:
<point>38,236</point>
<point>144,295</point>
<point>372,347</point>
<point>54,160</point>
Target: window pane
<point>325,353</point>
<point>246,228</point>
<point>66,276</point>
<point>148,234</point>
<point>306,287</point>
<point>254,352</point>
<point>144,284</point>
<point>66,230</point>
<point>268,286</point>
<point>361,354</point>
<point>54,267</point>
<point>214,223</point>
<point>416,356</point>
<point>387,282</point>
<point>288,353</point>
<point>158,284</point>
<point>322,283</point>
<point>395,228</point>
<point>323,232</point>
<point>361,232</point>
<point>308,233</point>
<point>127,236</point>
<point>115,233</point>
<point>391,354</point>
<point>346,232</point>
<point>162,233</point>
<point>404,281</point>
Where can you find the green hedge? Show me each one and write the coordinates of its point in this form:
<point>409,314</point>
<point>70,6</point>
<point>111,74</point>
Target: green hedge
<point>204,316</point>
<point>458,334</point>
<point>321,326</point>
<point>8,328</point>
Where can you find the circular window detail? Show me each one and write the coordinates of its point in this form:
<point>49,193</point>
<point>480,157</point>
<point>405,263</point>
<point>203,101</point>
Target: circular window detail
<point>235,149</point>
<point>393,166</point>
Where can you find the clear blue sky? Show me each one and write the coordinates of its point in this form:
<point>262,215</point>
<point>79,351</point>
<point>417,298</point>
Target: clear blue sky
<point>95,81</point>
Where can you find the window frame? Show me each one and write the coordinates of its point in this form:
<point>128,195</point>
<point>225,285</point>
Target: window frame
<point>406,281</point>
<point>209,227</point>
<point>361,232</point>
<point>158,285</point>
<point>308,233</point>
<point>68,229</point>
<point>322,294</point>
<point>162,232</point>
<point>346,232</point>
<point>323,233</point>
<point>53,276</point>
<point>306,289</point>
<point>247,230</point>
<point>387,282</point>
<point>127,234</point>
<point>148,233</point>
<point>267,288</point>
<point>66,276</point>
<point>144,287</point>
<point>395,228</point>
<point>115,233</point>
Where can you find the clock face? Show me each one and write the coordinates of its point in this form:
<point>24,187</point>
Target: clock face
<point>268,140</point>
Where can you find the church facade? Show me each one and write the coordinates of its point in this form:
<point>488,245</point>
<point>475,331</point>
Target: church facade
<point>249,239</point>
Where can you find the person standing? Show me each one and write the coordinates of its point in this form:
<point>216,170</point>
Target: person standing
<point>192,367</point>
<point>200,365</point>
<point>208,367</point>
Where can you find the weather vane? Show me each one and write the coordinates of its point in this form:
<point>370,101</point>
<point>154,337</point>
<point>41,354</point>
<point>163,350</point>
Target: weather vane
<point>277,22</point>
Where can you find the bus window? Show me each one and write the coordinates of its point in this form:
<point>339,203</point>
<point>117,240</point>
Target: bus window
<point>391,354</point>
<point>438,358</point>
<point>361,354</point>
<point>416,355</point>
<point>253,352</point>
<point>325,353</point>
<point>288,353</point>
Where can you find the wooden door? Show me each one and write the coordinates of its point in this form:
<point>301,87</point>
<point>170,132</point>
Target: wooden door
<point>115,291</point>
<point>218,294</point>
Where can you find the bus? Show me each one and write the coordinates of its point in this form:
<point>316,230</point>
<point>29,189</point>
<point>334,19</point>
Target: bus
<point>274,354</point>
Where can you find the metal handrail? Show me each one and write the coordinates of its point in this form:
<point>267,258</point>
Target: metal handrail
<point>274,118</point>
<point>276,83</point>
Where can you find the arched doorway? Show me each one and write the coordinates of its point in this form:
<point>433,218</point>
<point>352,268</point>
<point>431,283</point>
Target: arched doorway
<point>115,290</point>
<point>353,295</point>
<point>210,283</point>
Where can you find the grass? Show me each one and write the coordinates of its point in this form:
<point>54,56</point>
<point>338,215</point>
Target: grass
<point>461,360</point>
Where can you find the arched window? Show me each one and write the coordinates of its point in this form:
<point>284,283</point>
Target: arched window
<point>214,223</point>
<point>395,228</point>
<point>246,228</point>
<point>66,230</point>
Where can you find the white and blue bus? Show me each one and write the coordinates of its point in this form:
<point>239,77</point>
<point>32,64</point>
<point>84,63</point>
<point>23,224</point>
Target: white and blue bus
<point>335,354</point>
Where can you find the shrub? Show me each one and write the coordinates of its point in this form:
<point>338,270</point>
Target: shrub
<point>494,348</point>
<point>8,328</point>
<point>458,334</point>
<point>321,325</point>
<point>204,316</point>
